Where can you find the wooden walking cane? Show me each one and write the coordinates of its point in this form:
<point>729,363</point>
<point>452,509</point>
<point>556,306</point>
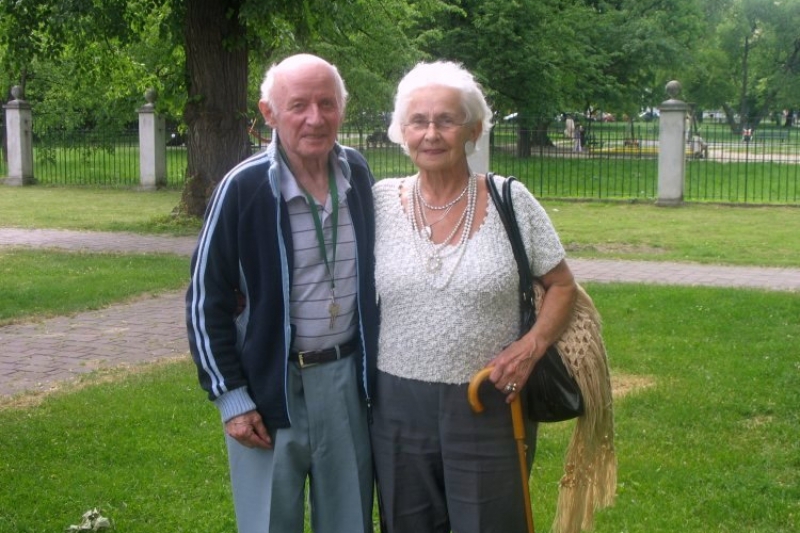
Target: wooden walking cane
<point>519,436</point>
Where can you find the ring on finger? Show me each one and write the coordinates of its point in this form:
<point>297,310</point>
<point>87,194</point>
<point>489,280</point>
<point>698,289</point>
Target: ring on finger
<point>510,387</point>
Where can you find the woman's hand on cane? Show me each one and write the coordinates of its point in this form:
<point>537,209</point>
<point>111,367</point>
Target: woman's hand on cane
<point>513,366</point>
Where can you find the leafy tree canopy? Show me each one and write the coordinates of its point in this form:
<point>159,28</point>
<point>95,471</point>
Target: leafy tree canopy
<point>748,63</point>
<point>93,59</point>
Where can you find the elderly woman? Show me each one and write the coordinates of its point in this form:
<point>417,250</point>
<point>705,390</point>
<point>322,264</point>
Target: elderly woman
<point>448,289</point>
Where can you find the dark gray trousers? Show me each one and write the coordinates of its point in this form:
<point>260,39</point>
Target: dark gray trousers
<point>440,467</point>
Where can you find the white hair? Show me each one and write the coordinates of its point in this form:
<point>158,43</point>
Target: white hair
<point>269,78</point>
<point>446,74</point>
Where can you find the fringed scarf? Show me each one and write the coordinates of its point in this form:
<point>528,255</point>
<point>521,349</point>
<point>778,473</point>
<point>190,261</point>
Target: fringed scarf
<point>590,464</point>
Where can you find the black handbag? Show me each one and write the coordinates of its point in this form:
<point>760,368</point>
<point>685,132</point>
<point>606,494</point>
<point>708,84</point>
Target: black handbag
<point>551,393</point>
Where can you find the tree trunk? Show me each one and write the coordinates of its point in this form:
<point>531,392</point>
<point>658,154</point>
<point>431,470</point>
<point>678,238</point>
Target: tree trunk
<point>529,136</point>
<point>540,135</point>
<point>216,113</point>
<point>735,127</point>
<point>523,142</point>
<point>743,108</point>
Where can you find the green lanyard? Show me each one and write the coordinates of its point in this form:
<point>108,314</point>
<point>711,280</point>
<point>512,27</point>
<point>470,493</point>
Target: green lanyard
<point>330,267</point>
<point>318,225</point>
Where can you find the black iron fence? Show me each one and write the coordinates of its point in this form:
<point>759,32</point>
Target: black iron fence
<point>604,161</point>
<point>96,156</point>
<point>615,160</point>
<point>753,166</point>
<point>92,156</point>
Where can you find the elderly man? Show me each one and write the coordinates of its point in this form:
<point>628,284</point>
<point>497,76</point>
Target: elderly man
<point>281,312</point>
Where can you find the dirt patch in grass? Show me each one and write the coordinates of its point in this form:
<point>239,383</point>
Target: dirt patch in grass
<point>625,384</point>
<point>615,248</point>
<point>99,374</point>
<point>622,384</point>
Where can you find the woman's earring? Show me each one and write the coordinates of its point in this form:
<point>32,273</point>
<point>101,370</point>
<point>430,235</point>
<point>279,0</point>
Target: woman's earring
<point>469,147</point>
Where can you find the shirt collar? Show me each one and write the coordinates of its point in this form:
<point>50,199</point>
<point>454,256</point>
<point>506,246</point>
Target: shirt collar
<point>290,189</point>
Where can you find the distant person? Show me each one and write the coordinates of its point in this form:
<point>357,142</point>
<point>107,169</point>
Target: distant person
<point>577,138</point>
<point>699,147</point>
<point>281,313</point>
<point>569,130</point>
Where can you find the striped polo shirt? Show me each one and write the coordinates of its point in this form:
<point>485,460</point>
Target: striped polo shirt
<point>311,286</point>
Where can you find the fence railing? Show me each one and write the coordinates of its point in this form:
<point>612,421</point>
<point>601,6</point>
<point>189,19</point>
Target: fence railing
<point>618,160</point>
<point>97,157</point>
<point>613,161</point>
<point>760,167</point>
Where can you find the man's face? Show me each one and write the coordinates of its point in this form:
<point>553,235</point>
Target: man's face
<point>306,111</point>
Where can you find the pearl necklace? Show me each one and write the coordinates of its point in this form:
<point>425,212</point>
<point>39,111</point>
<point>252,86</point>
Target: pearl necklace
<point>432,255</point>
<point>448,205</point>
<point>428,227</point>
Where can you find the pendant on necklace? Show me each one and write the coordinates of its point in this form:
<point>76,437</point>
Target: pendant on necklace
<point>434,263</point>
<point>333,311</point>
<point>426,232</point>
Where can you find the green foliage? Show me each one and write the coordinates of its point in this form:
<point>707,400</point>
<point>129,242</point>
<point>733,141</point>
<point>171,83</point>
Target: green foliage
<point>748,62</point>
<point>543,58</point>
<point>90,62</point>
<point>95,59</point>
<point>371,44</point>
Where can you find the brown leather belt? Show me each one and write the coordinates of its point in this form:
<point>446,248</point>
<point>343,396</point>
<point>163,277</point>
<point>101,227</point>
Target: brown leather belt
<point>317,357</point>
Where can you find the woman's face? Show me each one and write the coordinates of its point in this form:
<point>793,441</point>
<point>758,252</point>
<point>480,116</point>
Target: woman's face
<point>434,129</point>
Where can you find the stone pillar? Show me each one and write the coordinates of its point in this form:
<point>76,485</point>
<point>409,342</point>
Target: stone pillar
<point>479,159</point>
<point>19,134</point>
<point>152,145</point>
<point>672,148</point>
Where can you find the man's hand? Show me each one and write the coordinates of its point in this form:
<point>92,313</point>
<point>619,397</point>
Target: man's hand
<point>249,430</point>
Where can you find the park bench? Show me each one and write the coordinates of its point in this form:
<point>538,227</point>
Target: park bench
<point>771,135</point>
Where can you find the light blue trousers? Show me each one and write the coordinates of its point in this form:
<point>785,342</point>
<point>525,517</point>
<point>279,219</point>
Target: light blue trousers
<point>327,444</point>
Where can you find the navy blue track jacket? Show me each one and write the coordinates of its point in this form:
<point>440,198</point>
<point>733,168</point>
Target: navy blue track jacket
<point>246,245</point>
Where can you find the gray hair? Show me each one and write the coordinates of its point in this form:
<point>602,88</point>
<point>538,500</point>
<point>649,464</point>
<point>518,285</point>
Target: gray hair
<point>441,73</point>
<point>269,78</point>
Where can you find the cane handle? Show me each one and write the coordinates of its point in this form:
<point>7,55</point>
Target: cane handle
<point>474,385</point>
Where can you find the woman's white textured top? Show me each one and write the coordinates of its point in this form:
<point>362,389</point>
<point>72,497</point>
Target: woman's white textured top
<point>447,335</point>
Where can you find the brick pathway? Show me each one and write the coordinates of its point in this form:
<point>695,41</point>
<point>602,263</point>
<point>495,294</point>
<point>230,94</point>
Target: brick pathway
<point>38,356</point>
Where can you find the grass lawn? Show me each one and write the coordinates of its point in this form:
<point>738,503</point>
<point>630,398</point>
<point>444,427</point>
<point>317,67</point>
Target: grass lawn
<point>707,430</point>
<point>93,209</point>
<point>707,380</point>
<point>42,284</point>
<point>712,234</point>
<point>695,232</point>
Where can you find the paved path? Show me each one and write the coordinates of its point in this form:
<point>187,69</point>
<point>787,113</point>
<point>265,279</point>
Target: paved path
<point>38,356</point>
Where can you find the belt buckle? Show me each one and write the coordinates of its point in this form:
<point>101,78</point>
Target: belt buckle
<point>301,361</point>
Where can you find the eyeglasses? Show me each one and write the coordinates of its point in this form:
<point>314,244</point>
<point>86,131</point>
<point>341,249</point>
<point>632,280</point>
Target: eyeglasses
<point>442,124</point>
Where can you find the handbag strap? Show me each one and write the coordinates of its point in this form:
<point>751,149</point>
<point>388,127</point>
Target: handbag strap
<point>505,209</point>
